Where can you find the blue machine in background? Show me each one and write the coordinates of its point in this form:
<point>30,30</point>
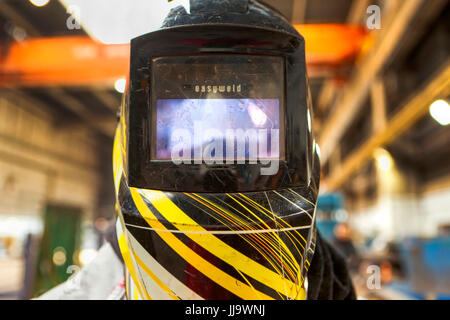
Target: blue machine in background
<point>424,263</point>
<point>328,207</point>
<point>427,266</point>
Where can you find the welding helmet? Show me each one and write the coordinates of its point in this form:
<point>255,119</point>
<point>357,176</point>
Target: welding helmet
<point>216,171</point>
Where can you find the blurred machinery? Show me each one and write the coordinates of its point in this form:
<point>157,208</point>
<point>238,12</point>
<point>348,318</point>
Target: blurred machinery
<point>330,212</point>
<point>427,268</point>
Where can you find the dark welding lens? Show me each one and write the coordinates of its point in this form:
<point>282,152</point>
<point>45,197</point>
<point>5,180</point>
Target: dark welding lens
<point>232,105</point>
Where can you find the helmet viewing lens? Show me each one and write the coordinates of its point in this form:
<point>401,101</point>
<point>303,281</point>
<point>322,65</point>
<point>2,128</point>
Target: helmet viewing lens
<point>227,108</point>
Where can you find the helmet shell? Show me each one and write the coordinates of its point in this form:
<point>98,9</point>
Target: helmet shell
<point>181,240</point>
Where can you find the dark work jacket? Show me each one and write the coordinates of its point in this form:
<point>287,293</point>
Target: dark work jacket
<point>328,277</point>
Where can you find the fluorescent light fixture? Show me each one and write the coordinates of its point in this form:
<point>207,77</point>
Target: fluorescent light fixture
<point>120,84</point>
<point>119,21</point>
<point>39,3</point>
<point>86,256</point>
<point>384,159</point>
<point>440,111</point>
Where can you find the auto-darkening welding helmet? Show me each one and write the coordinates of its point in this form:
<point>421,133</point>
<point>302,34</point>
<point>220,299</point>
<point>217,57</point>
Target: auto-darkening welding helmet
<point>216,171</point>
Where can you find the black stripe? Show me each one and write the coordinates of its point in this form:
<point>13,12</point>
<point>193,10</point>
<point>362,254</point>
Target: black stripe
<point>180,268</point>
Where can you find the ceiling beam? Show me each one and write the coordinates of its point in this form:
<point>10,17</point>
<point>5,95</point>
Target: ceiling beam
<point>298,11</point>
<point>10,13</point>
<point>358,11</point>
<point>326,95</point>
<point>350,101</point>
<point>108,99</point>
<point>328,90</point>
<point>421,26</point>
<point>409,114</point>
<point>69,60</point>
<point>331,44</point>
<point>104,125</point>
<point>378,105</point>
<point>79,60</point>
<point>26,100</point>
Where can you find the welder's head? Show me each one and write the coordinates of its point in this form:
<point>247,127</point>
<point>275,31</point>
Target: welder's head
<point>216,171</point>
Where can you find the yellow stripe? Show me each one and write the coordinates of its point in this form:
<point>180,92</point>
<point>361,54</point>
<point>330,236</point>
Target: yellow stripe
<point>127,284</point>
<point>277,220</point>
<point>294,239</point>
<point>117,161</point>
<point>228,282</point>
<point>251,239</point>
<point>135,294</point>
<point>270,239</point>
<point>154,277</point>
<point>283,250</point>
<point>222,250</point>
<point>127,258</point>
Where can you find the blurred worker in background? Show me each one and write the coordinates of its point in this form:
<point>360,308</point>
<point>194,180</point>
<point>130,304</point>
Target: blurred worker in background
<point>343,243</point>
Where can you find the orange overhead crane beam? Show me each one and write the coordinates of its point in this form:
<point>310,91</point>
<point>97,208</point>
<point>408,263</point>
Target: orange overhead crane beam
<point>64,61</point>
<point>332,44</point>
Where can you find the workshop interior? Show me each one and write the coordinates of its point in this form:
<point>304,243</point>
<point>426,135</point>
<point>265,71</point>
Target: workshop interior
<point>92,96</point>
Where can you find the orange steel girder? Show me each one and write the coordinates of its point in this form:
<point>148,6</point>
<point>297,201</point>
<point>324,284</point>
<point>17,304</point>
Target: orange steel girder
<point>81,61</point>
